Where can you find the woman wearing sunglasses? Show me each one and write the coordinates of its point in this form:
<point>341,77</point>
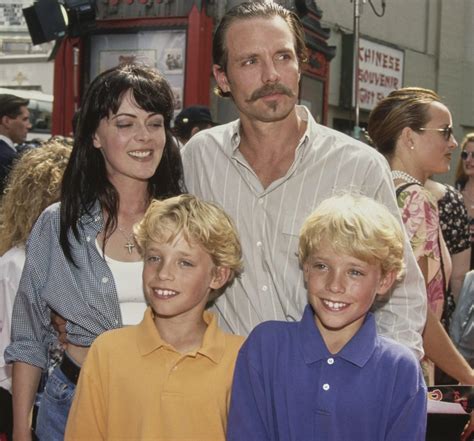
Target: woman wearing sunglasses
<point>413,129</point>
<point>465,182</point>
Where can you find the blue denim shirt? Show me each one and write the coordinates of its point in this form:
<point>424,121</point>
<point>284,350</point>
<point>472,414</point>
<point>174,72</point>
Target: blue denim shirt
<point>85,295</point>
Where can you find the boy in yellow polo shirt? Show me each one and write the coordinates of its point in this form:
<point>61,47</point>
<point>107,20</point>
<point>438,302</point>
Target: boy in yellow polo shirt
<point>170,376</point>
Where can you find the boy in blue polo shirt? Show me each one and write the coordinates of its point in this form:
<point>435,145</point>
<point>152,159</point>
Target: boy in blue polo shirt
<point>330,376</point>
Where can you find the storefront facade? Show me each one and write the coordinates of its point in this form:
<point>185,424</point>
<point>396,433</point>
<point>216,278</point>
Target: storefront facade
<point>176,38</point>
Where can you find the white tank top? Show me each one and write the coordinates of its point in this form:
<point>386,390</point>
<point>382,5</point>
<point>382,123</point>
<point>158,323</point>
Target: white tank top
<point>128,282</point>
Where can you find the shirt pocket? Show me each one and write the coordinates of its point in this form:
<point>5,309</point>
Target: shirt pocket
<point>292,224</point>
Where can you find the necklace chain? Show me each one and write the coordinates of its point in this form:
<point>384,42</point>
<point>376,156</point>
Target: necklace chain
<point>404,176</point>
<point>129,240</point>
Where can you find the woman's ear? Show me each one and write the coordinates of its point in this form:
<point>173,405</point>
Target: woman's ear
<point>220,277</point>
<point>96,141</point>
<point>407,138</point>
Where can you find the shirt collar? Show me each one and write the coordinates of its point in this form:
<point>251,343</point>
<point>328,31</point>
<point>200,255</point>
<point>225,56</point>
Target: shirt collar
<point>8,141</point>
<point>94,217</point>
<point>301,111</point>
<point>213,344</point>
<point>357,351</point>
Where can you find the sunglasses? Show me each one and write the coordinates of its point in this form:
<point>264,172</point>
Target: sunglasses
<point>447,131</point>
<point>466,155</point>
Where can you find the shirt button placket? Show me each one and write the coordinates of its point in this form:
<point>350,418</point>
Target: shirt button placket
<point>328,393</point>
<point>262,277</point>
<point>330,362</point>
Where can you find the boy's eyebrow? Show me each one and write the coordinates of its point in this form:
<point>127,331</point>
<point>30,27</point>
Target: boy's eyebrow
<point>314,254</point>
<point>157,250</point>
<point>151,250</point>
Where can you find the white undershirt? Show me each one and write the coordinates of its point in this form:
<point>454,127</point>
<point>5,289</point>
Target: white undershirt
<point>128,282</point>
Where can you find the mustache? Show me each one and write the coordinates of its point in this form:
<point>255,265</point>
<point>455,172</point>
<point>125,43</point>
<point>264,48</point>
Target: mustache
<point>269,89</point>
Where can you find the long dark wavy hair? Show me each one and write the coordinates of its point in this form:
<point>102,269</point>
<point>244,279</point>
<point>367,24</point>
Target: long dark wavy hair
<point>85,179</point>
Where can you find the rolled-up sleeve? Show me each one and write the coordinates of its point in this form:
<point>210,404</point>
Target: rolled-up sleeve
<point>30,331</point>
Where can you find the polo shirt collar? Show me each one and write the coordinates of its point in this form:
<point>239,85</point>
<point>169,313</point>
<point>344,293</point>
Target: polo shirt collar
<point>213,344</point>
<point>357,351</point>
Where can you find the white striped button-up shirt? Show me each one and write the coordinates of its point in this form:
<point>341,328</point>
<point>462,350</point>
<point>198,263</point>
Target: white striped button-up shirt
<point>269,219</point>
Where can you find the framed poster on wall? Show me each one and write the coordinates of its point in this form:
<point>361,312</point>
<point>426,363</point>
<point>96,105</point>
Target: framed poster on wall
<point>161,49</point>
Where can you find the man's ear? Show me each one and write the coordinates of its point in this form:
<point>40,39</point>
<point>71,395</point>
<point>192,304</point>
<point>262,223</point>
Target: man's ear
<point>194,130</point>
<point>386,282</point>
<point>220,277</point>
<point>5,121</point>
<point>221,78</point>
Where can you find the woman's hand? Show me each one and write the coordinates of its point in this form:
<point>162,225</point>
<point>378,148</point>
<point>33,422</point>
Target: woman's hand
<point>59,324</point>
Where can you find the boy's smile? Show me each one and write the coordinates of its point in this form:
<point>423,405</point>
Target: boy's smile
<point>178,277</point>
<point>341,289</point>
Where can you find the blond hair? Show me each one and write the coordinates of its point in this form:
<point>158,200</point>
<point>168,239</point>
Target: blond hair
<point>461,177</point>
<point>357,226</point>
<point>33,183</point>
<point>200,222</point>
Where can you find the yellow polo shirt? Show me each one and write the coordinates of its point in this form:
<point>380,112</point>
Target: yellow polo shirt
<point>135,386</point>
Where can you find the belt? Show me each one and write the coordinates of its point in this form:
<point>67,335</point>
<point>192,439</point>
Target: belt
<point>70,369</point>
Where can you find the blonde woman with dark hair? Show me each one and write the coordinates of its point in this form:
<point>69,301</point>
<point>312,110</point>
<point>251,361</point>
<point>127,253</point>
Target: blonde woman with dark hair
<point>33,184</point>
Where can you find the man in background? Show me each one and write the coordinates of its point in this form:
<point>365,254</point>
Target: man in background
<point>190,121</point>
<point>14,126</point>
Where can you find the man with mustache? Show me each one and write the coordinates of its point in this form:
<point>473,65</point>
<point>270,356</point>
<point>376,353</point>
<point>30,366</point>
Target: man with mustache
<point>270,168</point>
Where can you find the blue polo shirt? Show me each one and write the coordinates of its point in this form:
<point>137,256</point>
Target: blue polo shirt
<point>288,386</point>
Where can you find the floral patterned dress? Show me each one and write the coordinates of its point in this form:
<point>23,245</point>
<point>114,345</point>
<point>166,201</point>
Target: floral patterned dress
<point>454,221</point>
<point>419,213</point>
<point>420,216</point>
